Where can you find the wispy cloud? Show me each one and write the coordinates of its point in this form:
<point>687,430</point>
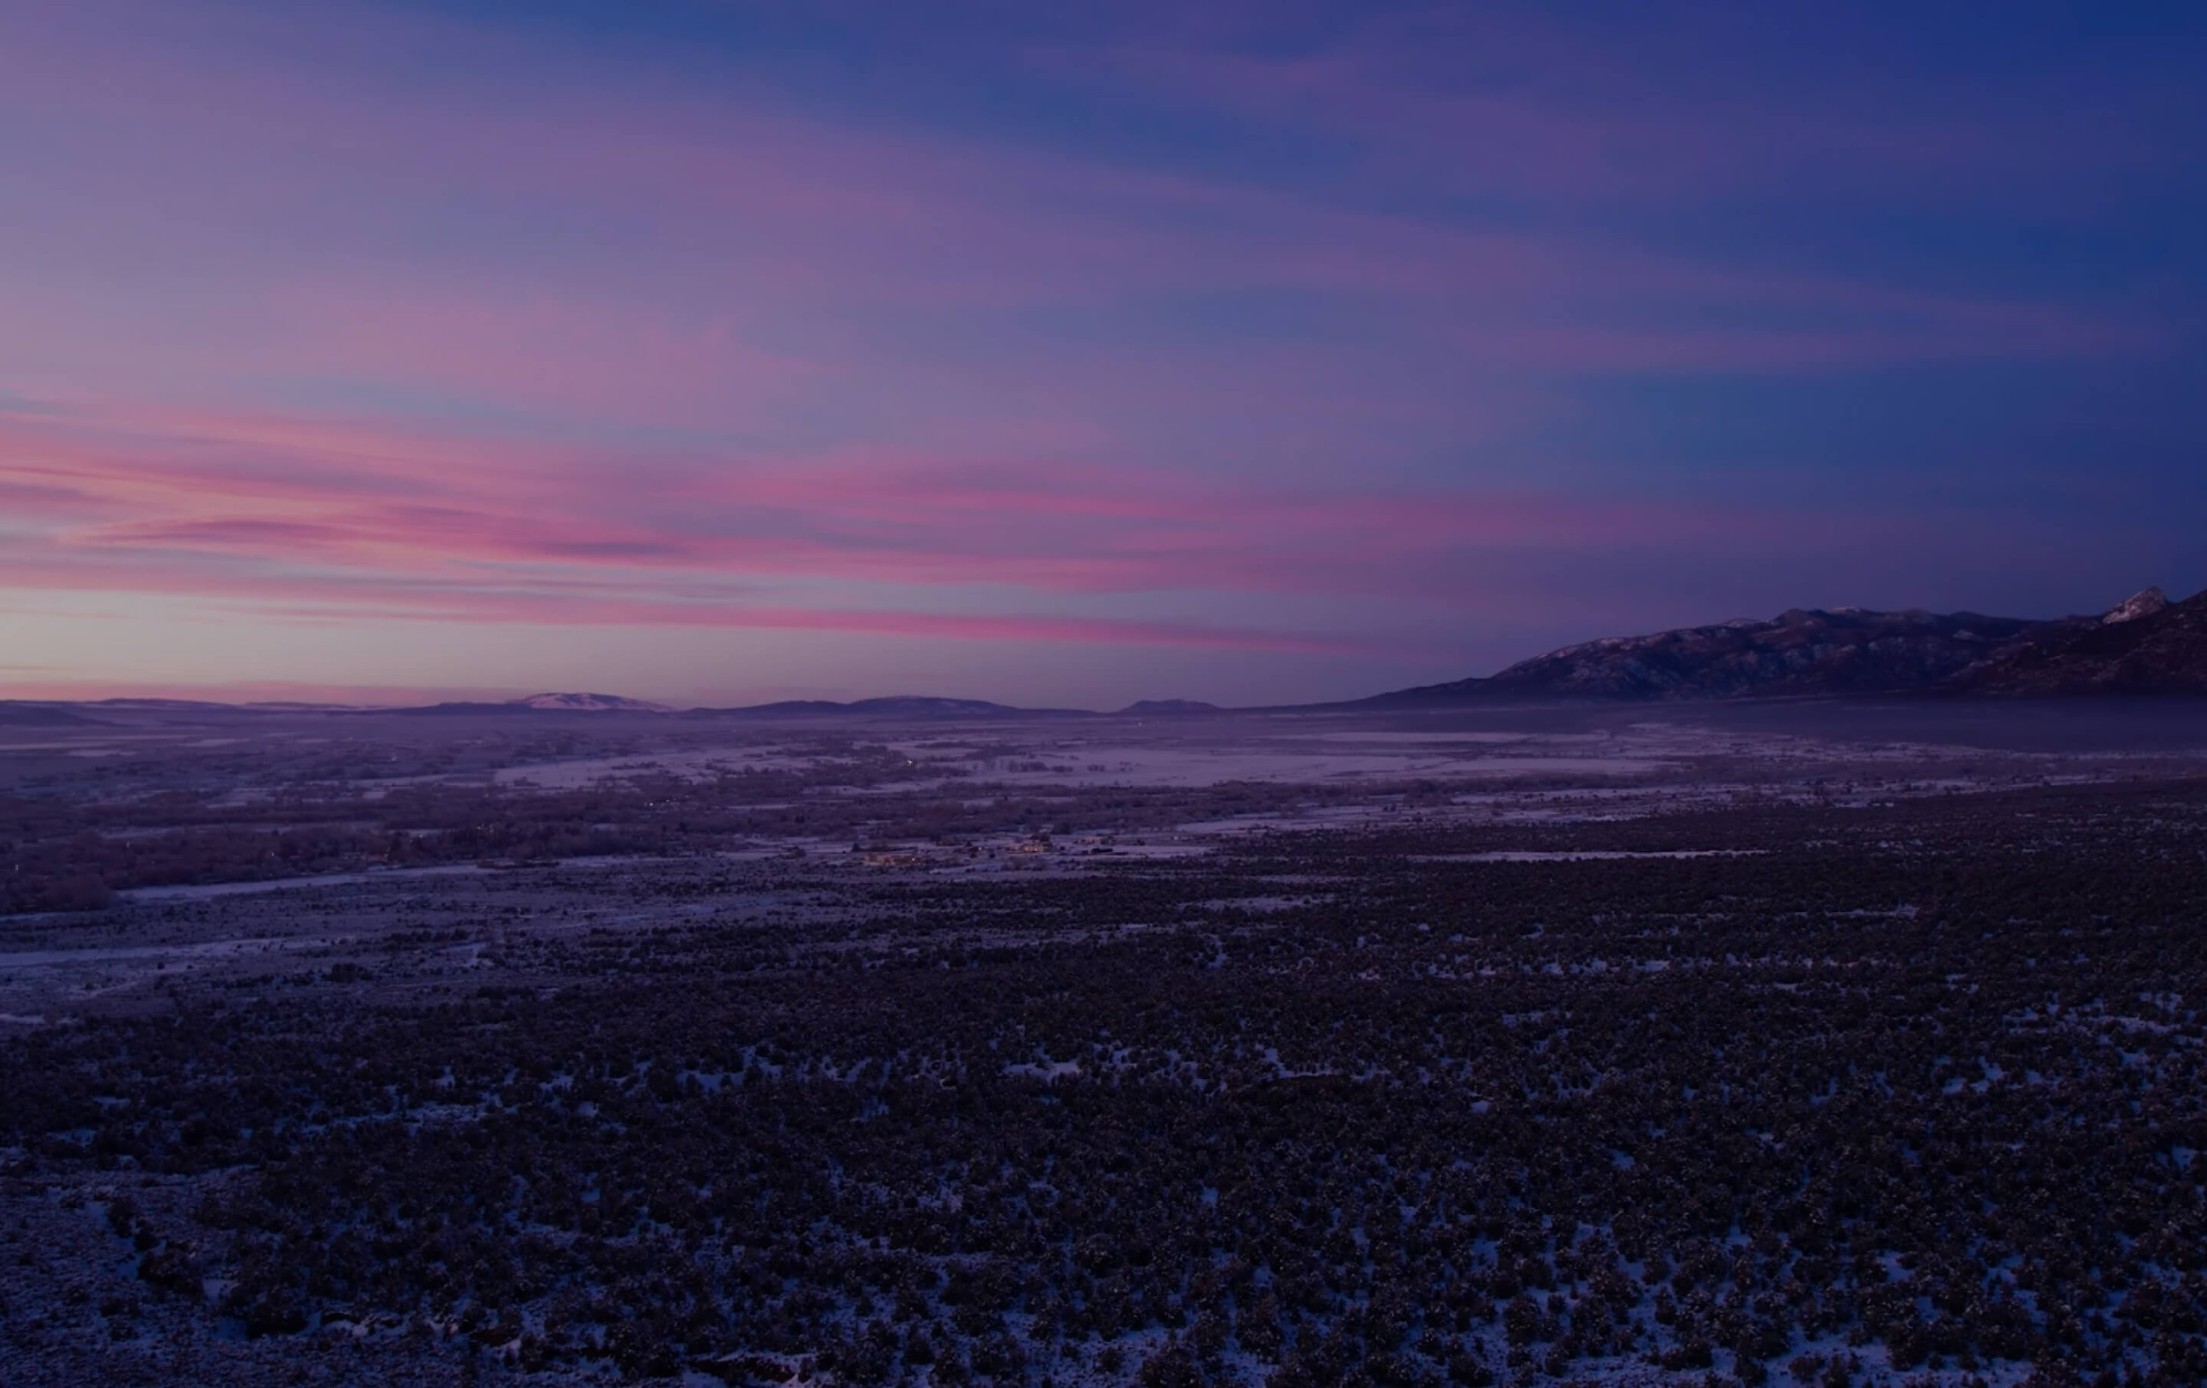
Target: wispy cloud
<point>322,518</point>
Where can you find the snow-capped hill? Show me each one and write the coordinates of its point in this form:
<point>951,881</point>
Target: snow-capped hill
<point>2147,644</point>
<point>588,703</point>
<point>1801,651</point>
<point>2139,604</point>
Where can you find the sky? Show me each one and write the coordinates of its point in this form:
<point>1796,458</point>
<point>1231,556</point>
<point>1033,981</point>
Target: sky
<point>714,352</point>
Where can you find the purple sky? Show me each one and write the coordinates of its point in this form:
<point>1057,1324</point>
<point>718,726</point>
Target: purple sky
<point>715,352</point>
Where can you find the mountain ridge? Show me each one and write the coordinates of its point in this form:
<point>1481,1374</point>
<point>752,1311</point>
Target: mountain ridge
<point>2144,645</point>
<point>2148,645</point>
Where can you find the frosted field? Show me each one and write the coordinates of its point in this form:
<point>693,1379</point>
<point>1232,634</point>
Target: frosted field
<point>959,795</point>
<point>643,807</point>
<point>652,945</point>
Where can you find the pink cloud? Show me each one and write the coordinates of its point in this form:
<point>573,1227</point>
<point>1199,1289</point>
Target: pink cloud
<point>295,493</point>
<point>335,516</point>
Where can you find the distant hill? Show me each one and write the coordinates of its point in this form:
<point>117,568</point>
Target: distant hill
<point>589,703</point>
<point>2144,645</point>
<point>1167,708</point>
<point>161,705</point>
<point>541,703</point>
<point>891,706</point>
<point>15,714</point>
<point>915,704</point>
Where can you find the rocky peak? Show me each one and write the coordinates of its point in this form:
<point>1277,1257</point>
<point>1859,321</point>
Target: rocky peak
<point>2139,604</point>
